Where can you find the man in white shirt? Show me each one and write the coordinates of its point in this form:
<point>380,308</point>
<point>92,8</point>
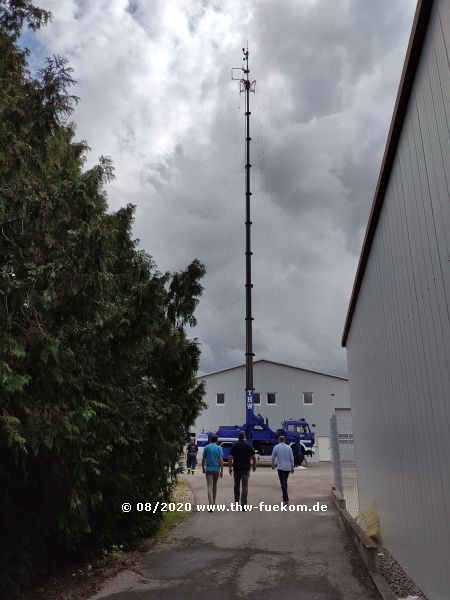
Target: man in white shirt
<point>283,459</point>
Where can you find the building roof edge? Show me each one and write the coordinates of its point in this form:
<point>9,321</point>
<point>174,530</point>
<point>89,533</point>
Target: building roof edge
<point>417,37</point>
<point>261,360</point>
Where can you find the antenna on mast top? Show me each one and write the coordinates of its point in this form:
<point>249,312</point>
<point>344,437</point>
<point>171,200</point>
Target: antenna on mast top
<point>245,83</point>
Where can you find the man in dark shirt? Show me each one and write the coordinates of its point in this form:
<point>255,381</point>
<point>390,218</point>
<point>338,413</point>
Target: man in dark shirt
<point>239,458</point>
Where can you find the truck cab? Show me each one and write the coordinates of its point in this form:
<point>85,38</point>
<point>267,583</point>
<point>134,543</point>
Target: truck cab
<point>300,437</point>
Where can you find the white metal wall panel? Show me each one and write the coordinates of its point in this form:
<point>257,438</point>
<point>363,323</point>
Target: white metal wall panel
<point>287,382</point>
<point>398,347</point>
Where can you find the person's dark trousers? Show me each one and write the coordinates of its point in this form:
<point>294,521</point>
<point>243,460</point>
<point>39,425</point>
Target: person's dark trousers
<point>191,462</point>
<point>283,475</point>
<point>241,476</point>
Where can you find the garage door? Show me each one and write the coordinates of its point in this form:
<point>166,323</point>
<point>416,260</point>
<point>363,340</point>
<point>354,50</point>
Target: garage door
<point>324,448</point>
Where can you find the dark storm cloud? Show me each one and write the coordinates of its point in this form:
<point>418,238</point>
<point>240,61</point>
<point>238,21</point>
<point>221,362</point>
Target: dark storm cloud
<point>154,78</point>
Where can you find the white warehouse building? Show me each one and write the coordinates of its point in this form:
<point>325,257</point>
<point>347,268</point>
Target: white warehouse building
<point>397,331</point>
<point>281,392</point>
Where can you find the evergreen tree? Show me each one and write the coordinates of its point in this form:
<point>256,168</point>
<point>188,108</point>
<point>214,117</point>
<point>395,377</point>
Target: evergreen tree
<point>97,374</point>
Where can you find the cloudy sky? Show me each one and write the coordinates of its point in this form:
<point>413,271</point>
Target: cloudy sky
<point>156,96</point>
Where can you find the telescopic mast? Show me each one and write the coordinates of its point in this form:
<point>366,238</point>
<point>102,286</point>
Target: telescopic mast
<point>247,86</point>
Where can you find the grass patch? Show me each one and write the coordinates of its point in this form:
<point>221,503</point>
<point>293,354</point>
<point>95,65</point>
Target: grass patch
<point>171,518</point>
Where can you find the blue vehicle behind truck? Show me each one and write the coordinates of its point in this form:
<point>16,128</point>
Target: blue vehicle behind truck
<point>297,432</point>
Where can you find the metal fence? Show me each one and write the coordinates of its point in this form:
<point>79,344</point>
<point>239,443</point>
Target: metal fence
<point>343,459</point>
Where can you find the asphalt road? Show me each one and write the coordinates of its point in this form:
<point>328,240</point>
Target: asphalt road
<point>255,555</point>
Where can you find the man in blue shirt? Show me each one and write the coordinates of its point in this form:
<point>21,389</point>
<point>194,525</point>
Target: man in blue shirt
<point>283,459</point>
<point>212,465</point>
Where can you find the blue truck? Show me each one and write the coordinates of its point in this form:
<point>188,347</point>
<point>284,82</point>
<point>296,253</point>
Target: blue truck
<point>297,432</point>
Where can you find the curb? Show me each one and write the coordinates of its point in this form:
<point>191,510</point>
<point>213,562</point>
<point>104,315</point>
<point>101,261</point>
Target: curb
<point>365,545</point>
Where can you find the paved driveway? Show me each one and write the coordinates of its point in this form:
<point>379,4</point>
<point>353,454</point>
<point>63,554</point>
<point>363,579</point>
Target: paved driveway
<point>255,555</point>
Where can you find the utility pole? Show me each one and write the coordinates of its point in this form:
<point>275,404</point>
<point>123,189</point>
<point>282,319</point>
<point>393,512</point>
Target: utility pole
<point>247,86</point>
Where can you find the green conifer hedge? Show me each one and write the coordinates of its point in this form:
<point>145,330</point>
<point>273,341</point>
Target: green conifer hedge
<point>97,374</point>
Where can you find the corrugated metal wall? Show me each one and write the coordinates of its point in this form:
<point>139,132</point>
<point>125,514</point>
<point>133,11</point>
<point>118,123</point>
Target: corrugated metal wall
<point>399,343</point>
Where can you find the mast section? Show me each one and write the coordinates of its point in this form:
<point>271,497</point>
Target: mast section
<point>247,86</point>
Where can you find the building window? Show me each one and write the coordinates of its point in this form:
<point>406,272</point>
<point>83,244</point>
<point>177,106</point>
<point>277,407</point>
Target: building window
<point>256,398</point>
<point>271,398</point>
<point>220,399</point>
<point>308,398</point>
